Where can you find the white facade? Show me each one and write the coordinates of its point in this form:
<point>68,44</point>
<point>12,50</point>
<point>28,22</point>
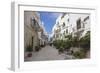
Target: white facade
<point>30,34</point>
<point>61,27</point>
<point>33,29</point>
<point>81,28</point>
<point>69,23</point>
<point>42,35</point>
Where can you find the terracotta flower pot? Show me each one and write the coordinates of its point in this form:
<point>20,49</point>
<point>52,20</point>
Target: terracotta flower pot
<point>29,55</point>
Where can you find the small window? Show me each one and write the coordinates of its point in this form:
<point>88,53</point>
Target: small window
<point>32,40</point>
<point>33,22</point>
<point>78,23</point>
<point>68,19</point>
<point>66,30</point>
<point>63,24</point>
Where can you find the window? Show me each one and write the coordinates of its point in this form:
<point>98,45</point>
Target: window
<point>64,33</point>
<point>68,19</point>
<point>63,24</point>
<point>66,30</point>
<point>78,23</point>
<point>33,22</point>
<point>32,40</point>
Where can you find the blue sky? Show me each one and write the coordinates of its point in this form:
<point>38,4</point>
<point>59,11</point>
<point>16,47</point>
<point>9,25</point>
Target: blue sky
<point>49,19</point>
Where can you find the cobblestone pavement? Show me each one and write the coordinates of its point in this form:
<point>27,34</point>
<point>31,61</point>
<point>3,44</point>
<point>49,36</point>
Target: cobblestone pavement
<point>47,53</point>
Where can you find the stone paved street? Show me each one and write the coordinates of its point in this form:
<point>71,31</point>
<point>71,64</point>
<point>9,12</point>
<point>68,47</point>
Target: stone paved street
<point>46,53</point>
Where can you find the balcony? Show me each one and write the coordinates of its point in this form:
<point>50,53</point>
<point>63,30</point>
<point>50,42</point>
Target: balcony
<point>35,24</point>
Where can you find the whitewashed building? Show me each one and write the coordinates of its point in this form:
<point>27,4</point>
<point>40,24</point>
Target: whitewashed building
<point>31,25</point>
<point>33,30</point>
<point>71,23</point>
<point>42,34</point>
<point>80,24</point>
<point>61,27</point>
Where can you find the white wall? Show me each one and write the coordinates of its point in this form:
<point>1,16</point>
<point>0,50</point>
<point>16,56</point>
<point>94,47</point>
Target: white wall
<point>5,36</point>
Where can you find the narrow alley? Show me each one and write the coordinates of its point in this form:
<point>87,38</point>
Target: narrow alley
<point>46,53</point>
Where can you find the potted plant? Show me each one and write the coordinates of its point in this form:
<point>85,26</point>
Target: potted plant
<point>60,46</point>
<point>60,50</point>
<point>37,48</point>
<point>79,54</point>
<point>29,49</point>
<point>85,42</point>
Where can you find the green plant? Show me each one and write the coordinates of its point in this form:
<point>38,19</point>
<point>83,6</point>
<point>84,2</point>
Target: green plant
<point>63,44</point>
<point>29,48</point>
<point>68,36</point>
<point>61,50</point>
<point>57,43</point>
<point>37,48</point>
<point>79,54</point>
<point>67,44</point>
<point>85,41</point>
<point>75,41</point>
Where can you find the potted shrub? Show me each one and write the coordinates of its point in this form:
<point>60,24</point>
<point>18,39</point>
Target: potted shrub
<point>75,41</point>
<point>79,54</point>
<point>55,43</point>
<point>85,42</point>
<point>29,49</point>
<point>60,46</point>
<point>67,45</point>
<point>61,50</point>
<point>37,48</point>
